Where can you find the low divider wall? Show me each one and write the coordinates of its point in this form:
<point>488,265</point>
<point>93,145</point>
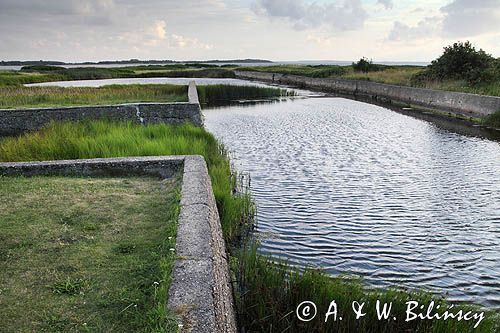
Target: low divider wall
<point>18,121</point>
<point>470,105</point>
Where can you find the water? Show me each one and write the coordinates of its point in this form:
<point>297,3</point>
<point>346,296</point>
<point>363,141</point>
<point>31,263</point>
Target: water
<point>154,80</point>
<point>359,189</point>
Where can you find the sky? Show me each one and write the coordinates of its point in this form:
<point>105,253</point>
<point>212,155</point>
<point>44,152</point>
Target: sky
<point>280,30</point>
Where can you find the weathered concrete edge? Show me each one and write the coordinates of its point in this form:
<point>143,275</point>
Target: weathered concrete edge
<point>201,249</point>
<point>193,93</point>
<point>463,104</point>
<point>18,121</point>
<point>201,292</point>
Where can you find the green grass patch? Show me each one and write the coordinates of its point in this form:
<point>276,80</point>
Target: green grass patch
<point>320,71</point>
<point>101,139</point>
<point>60,268</point>
<point>269,293</point>
<point>17,97</point>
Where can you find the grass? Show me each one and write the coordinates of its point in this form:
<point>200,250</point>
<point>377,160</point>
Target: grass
<point>216,93</point>
<point>62,267</point>
<point>107,139</point>
<point>270,292</point>
<point>492,120</point>
<point>399,75</point>
<point>20,97</point>
<point>17,97</point>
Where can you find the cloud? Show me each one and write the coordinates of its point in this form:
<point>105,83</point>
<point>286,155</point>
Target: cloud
<point>56,7</point>
<point>156,35</point>
<point>460,18</point>
<point>159,29</point>
<point>185,42</point>
<point>386,3</point>
<point>426,28</point>
<point>469,18</point>
<point>68,12</point>
<point>344,16</point>
<point>319,40</point>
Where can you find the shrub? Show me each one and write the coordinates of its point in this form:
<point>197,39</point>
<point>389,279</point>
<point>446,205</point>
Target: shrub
<point>461,61</point>
<point>364,65</point>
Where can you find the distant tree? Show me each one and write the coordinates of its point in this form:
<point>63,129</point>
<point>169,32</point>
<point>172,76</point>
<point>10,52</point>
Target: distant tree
<point>364,65</point>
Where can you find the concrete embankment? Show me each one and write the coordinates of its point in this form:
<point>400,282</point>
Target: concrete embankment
<point>17,121</point>
<point>469,105</point>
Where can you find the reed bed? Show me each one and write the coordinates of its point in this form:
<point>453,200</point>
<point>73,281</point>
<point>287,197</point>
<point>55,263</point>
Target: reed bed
<point>219,93</point>
<point>17,97</point>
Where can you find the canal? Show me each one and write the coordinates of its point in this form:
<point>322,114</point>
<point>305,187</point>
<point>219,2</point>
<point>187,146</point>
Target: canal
<point>359,189</point>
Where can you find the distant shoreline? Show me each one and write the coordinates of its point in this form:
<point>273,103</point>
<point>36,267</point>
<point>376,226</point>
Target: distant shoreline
<point>125,62</point>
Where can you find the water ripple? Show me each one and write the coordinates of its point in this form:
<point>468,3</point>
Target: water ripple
<point>359,189</point>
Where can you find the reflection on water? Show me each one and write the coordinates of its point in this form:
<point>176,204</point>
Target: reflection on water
<point>356,188</point>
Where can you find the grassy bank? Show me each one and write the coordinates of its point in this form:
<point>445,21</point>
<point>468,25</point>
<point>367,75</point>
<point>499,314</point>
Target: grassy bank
<point>105,139</point>
<point>399,75</point>
<point>270,292</point>
<point>86,255</point>
<point>17,97</point>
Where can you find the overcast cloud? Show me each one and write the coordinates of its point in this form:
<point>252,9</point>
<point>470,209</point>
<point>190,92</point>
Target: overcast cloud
<point>458,19</point>
<point>339,15</point>
<point>92,30</point>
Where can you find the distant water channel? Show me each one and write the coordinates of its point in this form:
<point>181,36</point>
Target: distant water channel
<point>359,189</point>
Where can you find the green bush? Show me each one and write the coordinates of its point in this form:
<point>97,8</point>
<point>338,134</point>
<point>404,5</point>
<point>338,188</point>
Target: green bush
<point>364,65</point>
<point>461,61</point>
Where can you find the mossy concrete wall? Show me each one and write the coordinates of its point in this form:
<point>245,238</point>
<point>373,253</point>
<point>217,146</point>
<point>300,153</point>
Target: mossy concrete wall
<point>470,105</point>
<point>17,121</point>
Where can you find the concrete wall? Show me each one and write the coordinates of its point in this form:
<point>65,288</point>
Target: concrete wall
<point>201,292</point>
<point>460,103</point>
<point>17,121</point>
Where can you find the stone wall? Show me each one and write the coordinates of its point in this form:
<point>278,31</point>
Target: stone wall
<point>470,105</point>
<point>17,121</point>
<point>201,292</point>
